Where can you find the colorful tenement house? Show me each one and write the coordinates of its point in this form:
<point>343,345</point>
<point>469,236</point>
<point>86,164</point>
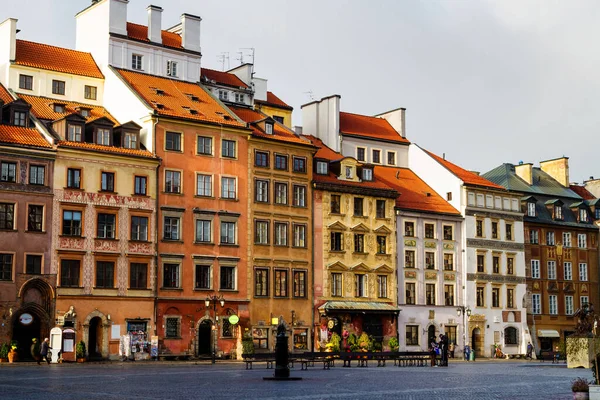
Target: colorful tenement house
<point>492,237</point>
<point>280,241</point>
<point>354,248</point>
<point>430,250</point>
<point>561,246</point>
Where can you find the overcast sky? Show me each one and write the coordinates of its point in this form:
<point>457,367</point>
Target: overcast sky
<point>484,82</point>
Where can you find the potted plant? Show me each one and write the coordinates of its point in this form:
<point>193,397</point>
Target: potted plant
<point>335,343</point>
<point>393,343</point>
<point>12,354</point>
<point>4,349</point>
<point>581,389</point>
<point>80,351</point>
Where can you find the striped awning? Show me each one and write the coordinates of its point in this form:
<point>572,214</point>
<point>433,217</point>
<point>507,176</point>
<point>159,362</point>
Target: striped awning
<point>548,333</point>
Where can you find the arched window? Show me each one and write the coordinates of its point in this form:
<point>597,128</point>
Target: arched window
<point>510,335</point>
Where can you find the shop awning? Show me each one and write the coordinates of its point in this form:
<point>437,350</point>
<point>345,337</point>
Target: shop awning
<point>548,333</point>
<point>359,306</point>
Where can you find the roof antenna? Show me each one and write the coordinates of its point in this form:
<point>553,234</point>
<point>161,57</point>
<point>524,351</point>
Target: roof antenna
<point>240,57</point>
<point>251,53</point>
<point>310,94</point>
<point>222,57</point>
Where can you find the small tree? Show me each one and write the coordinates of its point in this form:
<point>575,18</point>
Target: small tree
<point>80,350</point>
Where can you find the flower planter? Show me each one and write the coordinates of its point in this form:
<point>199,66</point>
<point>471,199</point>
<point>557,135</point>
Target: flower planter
<point>3,360</point>
<point>12,356</point>
<point>81,360</point>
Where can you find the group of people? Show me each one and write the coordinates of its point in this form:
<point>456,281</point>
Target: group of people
<point>41,352</point>
<point>444,348</point>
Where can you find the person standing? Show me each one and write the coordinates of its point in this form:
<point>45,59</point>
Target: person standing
<point>467,352</point>
<point>451,349</point>
<point>35,350</point>
<point>529,351</point>
<point>444,350</point>
<point>45,350</point>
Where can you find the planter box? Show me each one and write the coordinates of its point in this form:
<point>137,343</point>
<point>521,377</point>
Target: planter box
<point>594,392</point>
<point>580,352</point>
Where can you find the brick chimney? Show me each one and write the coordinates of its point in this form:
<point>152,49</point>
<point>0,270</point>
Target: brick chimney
<point>154,23</point>
<point>557,168</point>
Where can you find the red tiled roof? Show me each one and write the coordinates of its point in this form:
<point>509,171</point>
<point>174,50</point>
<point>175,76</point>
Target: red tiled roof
<point>467,177</point>
<point>22,136</point>
<point>223,78</point>
<point>582,191</point>
<point>370,127</point>
<point>140,32</point>
<point>415,194</point>
<point>105,149</point>
<point>274,101</point>
<point>279,133</point>
<point>4,95</point>
<point>42,107</point>
<point>175,99</point>
<point>43,56</point>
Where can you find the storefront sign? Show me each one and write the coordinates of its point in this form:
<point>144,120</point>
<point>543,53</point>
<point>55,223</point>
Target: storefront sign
<point>234,319</point>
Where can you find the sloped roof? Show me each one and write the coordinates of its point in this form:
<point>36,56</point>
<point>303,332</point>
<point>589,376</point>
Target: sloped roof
<point>42,108</point>
<point>468,177</point>
<point>369,127</point>
<point>582,191</point>
<point>4,95</point>
<point>176,99</point>
<point>140,32</point>
<point>59,59</point>
<point>274,101</point>
<point>415,194</point>
<point>106,149</point>
<point>223,78</point>
<point>22,136</point>
<point>279,132</point>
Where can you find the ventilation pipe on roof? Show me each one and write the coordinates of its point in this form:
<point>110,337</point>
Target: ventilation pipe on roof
<point>154,23</point>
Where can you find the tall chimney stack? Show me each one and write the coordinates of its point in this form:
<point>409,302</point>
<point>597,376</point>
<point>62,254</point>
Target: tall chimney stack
<point>557,168</point>
<point>154,23</point>
<point>190,32</point>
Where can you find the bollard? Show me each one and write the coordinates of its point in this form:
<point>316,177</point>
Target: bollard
<point>282,370</point>
<point>472,354</point>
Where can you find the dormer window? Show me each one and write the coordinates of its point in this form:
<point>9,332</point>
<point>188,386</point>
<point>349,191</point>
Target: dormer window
<point>172,68</point>
<point>193,97</point>
<point>20,118</point>
<point>85,112</point>
<point>269,128</point>
<point>239,97</point>
<point>59,108</point>
<point>583,215</point>
<point>367,174</point>
<point>558,212</point>
<point>130,140</point>
<point>531,209</point>
<point>103,136</point>
<point>223,95</point>
<point>158,91</point>
<point>74,133</point>
<point>597,212</point>
<point>349,173</point>
<point>321,168</point>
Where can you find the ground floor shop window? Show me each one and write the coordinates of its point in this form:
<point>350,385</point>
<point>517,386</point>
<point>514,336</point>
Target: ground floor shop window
<point>451,333</point>
<point>412,335</point>
<point>172,325</point>
<point>300,339</point>
<point>227,330</point>
<point>510,335</point>
<point>260,337</point>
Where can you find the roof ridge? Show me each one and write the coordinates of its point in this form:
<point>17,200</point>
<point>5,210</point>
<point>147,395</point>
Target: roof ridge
<point>56,47</point>
<point>61,100</point>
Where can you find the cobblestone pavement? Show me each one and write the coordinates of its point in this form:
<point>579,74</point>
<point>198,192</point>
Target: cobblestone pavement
<point>479,380</point>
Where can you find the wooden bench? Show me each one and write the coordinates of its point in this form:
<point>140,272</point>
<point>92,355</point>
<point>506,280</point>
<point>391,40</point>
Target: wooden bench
<point>174,356</point>
<point>268,358</point>
<point>414,359</point>
<point>549,355</point>
<point>309,358</point>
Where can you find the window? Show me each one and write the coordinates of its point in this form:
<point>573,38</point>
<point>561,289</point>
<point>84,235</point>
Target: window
<point>336,284</point>
<point>261,232</point>
<point>204,145</point>
<point>69,273</point>
<point>410,293</point>
<point>335,203</point>
<point>58,87</point>
<point>103,137</point>
<point>479,228</point>
<point>449,196</point>
<point>359,243</point>
<point>489,201</point>
<point>429,231</point>
<point>73,178</point>
<point>569,305</point>
<point>138,275</point>
<point>360,153</point>
<point>35,218</point>
<point>74,133</point>
<point>281,196</point>
<point>480,262</point>
<point>391,158</point>
<point>228,190</point>
<point>172,327</point>
<point>6,262</point>
<point>496,264</point>
<point>299,196</point>
<point>360,285</point>
<point>106,226</point>
<point>260,337</point>
<point>568,267</point>
<point>380,209</point>
<point>281,162</point>
<point>33,264</point>
<point>509,231</point>
<point>223,95</point>
<point>281,283</point>
<point>136,62</point>
<point>71,223</point>
<point>358,206</point>
<point>227,232</point>
<point>409,258</point>
<point>552,304</point>
<point>448,232</point>
<point>494,230</point>
<point>349,172</point>
<point>535,269</point>
<point>261,159</point>
<point>429,260</point>
<point>550,241</point>
<point>20,118</point>
<point>170,276</point>
<point>281,234</point>
<point>337,241</point>
<point>367,174</point>
<point>172,181</point>
<point>299,235</point>
<point>299,284</point>
<point>510,265</point>
<point>268,128</point>
<point>412,335</point>
<point>278,118</point>
<point>8,172</point>
<point>171,228</point>
<point>430,294</point>
<point>495,297</point>
<point>583,300</point>
<point>322,168</point>
<point>139,228</point>
<point>510,335</point>
<point>25,82</point>
<point>108,182</point>
<point>449,295</point>
<point>480,296</point>
<point>261,191</point>
<point>376,156</point>
<point>90,92</point>
<point>582,240</point>
<point>173,141</point>
<point>480,200</point>
<point>381,245</point>
<point>382,286</point>
<point>140,184</point>
<point>228,278</point>
<point>261,282</point>
<point>299,164</point>
<point>583,215</point>
<point>567,239</point>
<point>448,262</point>
<point>105,274</point>
<point>558,212</point>
<point>551,269</point>
<point>171,68</point>
<point>534,237</point>
<point>202,280</point>
<point>239,98</point>
<point>59,108</point>
<point>85,112</point>
<point>510,298</point>
<point>531,209</point>
<point>203,231</point>
<point>583,272</point>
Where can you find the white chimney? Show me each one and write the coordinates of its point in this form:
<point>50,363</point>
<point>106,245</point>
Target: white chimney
<point>322,119</point>
<point>190,32</point>
<point>397,119</point>
<point>8,40</point>
<point>154,23</point>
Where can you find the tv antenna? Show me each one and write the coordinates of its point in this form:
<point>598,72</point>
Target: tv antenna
<point>252,51</point>
<point>310,95</point>
<point>224,56</point>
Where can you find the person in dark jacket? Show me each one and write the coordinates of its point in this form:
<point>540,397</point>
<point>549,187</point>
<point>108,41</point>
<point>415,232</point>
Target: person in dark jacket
<point>444,350</point>
<point>45,350</point>
<point>35,350</point>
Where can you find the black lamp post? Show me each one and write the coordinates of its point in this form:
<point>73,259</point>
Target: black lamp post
<point>464,311</point>
<point>214,299</point>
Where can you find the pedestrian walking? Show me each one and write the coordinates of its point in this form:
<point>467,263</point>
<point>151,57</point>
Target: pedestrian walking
<point>467,352</point>
<point>529,351</point>
<point>451,349</point>
<point>35,350</point>
<point>433,348</point>
<point>45,350</point>
<point>444,350</point>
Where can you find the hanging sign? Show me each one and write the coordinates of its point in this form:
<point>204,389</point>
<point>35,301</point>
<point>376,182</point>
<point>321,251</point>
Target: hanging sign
<point>234,319</point>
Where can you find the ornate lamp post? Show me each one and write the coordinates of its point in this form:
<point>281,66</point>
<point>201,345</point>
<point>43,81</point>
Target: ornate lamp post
<point>214,299</point>
<point>464,311</point>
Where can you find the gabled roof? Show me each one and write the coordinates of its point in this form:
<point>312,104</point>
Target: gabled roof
<point>4,95</point>
<point>415,194</point>
<point>140,32</point>
<point>59,59</point>
<point>174,99</point>
<point>582,191</point>
<point>42,108</point>
<point>369,128</point>
<point>222,78</point>
<point>274,101</point>
<point>21,136</point>
<point>468,177</point>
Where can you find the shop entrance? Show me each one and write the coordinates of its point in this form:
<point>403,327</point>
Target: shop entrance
<point>373,326</point>
<point>204,337</point>
<point>431,334</point>
<point>545,344</point>
<point>26,326</point>
<point>477,341</point>
<point>95,338</point>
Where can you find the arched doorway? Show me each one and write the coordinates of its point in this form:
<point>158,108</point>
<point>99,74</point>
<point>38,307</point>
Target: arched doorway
<point>477,342</point>
<point>430,334</point>
<point>204,338</point>
<point>95,338</point>
<point>27,325</point>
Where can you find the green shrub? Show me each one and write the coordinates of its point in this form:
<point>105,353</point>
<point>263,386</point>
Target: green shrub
<point>393,343</point>
<point>335,342</point>
<point>80,350</point>
<point>4,349</point>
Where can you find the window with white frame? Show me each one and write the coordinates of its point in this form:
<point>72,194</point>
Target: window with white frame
<point>203,231</point>
<point>228,232</point>
<point>240,98</point>
<point>228,188</point>
<point>299,235</point>
<point>480,200</point>
<point>136,62</point>
<point>569,305</point>
<point>568,267</point>
<point>367,174</point>
<point>471,199</point>
<point>567,239</point>
<point>204,185</point>
<point>583,215</point>
<point>550,240</point>
<point>552,304</point>
<point>535,269</point>
<point>172,68</point>
<point>489,201</point>
<point>172,181</point>
<point>531,209</point>
<point>534,236</point>
<point>582,240</point>
<point>299,196</point>
<point>583,272</point>
<point>558,212</point>
<point>583,300</point>
<point>261,191</point>
<point>171,228</point>
<point>551,269</point>
<point>360,284</point>
<point>321,167</point>
<point>536,303</point>
<point>223,95</point>
<point>261,232</point>
<point>281,233</point>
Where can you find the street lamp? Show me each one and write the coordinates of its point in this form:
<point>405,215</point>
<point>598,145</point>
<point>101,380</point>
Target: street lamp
<point>214,299</point>
<point>464,311</point>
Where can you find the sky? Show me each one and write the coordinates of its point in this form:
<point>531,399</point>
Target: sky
<point>483,82</point>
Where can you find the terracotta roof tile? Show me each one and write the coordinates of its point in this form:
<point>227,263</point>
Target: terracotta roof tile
<point>4,95</point>
<point>175,100</point>
<point>42,107</point>
<point>467,177</point>
<point>370,127</point>
<point>140,32</point>
<point>105,149</point>
<point>43,56</point>
<point>22,136</point>
<point>415,194</point>
<point>274,101</point>
<point>582,191</point>
<point>279,132</point>
<point>223,78</point>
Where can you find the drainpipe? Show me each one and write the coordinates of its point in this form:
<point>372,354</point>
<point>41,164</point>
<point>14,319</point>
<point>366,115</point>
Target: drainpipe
<point>312,292</point>
<point>155,288</point>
